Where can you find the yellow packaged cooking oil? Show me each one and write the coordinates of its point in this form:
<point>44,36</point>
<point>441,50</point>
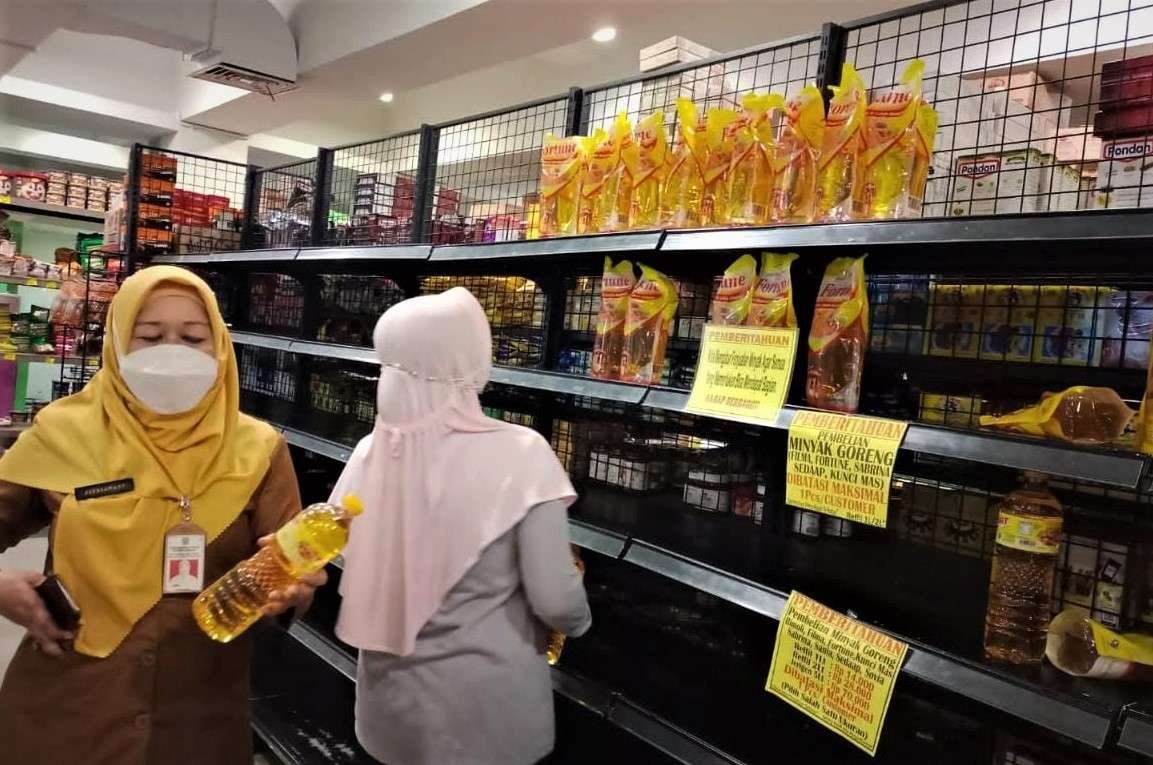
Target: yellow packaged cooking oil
<point>1080,414</point>
<point>927,119</point>
<point>795,160</point>
<point>685,183</point>
<point>601,157</point>
<point>720,140</point>
<point>734,294</point>
<point>652,307</point>
<point>890,152</point>
<point>561,162</point>
<point>617,285</point>
<point>839,167</point>
<point>773,296</point>
<point>750,175</point>
<point>616,198</point>
<point>1145,415</point>
<point>647,164</point>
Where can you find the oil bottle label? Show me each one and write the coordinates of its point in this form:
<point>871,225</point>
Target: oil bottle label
<point>1029,533</point>
<point>301,555</point>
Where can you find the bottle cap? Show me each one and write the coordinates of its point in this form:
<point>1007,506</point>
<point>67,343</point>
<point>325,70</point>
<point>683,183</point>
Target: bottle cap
<point>352,505</point>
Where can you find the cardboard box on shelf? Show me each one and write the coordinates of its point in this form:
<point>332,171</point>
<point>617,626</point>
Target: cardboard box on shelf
<point>1125,174</point>
<point>1078,145</point>
<point>1012,182</point>
<point>1031,90</point>
<point>672,50</point>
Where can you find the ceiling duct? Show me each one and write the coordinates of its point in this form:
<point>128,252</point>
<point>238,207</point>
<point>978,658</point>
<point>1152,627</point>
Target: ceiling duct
<point>224,73</point>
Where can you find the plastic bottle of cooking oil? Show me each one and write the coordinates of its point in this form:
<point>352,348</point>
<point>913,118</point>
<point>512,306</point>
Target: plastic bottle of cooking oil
<point>1020,587</point>
<point>304,545</point>
<point>556,639</point>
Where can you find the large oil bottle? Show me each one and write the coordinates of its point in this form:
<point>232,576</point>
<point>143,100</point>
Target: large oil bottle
<point>304,545</point>
<point>1020,587</point>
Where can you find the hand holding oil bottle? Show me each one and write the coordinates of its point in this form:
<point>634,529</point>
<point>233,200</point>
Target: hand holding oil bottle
<point>770,161</point>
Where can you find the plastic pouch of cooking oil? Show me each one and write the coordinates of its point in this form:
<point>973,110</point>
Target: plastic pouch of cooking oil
<point>1081,414</point>
<point>734,294</point>
<point>838,337</point>
<point>601,156</point>
<point>612,209</point>
<point>772,304</point>
<point>647,165</point>
<point>750,177</point>
<point>560,176</point>
<point>616,285</point>
<point>652,307</point>
<point>684,187</point>
<point>839,168</point>
<point>795,160</point>
<point>720,140</point>
<point>890,152</point>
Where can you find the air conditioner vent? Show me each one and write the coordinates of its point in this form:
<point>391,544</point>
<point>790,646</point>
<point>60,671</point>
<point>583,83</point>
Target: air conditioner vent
<point>234,76</point>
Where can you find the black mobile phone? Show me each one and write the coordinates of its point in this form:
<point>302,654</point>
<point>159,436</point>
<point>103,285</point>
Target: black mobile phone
<point>61,607</point>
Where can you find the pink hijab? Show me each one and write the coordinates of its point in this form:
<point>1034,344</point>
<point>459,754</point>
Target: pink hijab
<point>440,481</point>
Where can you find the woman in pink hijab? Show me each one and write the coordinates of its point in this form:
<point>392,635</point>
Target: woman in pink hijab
<point>460,563</point>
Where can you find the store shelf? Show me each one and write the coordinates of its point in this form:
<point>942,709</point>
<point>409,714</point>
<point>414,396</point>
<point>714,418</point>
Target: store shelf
<point>382,252</point>
<point>259,340</point>
<point>597,539</point>
<point>1084,226</point>
<point>231,256</point>
<point>55,211</point>
<point>25,281</point>
<point>321,446</point>
<point>1111,467</point>
<point>605,244</point>
<point>577,385</point>
<point>319,645</point>
<point>333,351</point>
<point>46,358</point>
<point>1137,730</point>
<point>678,744</point>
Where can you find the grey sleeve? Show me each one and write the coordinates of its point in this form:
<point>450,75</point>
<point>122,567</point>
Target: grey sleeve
<point>554,586</point>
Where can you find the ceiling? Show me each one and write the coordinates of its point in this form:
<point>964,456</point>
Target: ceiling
<point>116,73</point>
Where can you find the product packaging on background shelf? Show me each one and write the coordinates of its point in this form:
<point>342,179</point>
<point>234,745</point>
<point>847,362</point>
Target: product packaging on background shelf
<point>750,175</point>
<point>955,320</point>
<point>652,307</point>
<point>1066,318</point>
<point>798,152</point>
<point>683,192</point>
<point>1125,318</point>
<point>1009,322</point>
<point>720,144</point>
<point>617,285</point>
<point>734,295</point>
<point>839,337</point>
<point>948,409</point>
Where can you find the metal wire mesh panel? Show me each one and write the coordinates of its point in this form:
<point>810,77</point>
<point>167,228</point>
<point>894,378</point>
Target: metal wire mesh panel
<point>341,400</point>
<point>275,303</point>
<point>967,346</point>
<point>516,309</point>
<point>187,203</point>
<point>784,69</point>
<point>1043,105</point>
<point>224,287</point>
<point>374,192</point>
<point>488,171</point>
<point>284,205</point>
<point>268,372</point>
<point>351,305</point>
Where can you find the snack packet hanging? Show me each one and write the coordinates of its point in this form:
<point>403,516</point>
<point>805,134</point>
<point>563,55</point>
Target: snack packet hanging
<point>601,156</point>
<point>684,185</point>
<point>1081,414</point>
<point>616,286</point>
<point>720,139</point>
<point>734,294</point>
<point>838,337</point>
<point>647,165</point>
<point>795,160</point>
<point>652,307</point>
<point>839,169</point>
<point>560,177</point>
<point>616,197</point>
<point>890,149</point>
<point>773,294</point>
<point>750,177</point>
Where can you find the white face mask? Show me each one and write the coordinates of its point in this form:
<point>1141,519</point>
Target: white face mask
<point>169,378</point>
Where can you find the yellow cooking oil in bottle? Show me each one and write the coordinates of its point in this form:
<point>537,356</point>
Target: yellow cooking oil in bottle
<point>555,644</point>
<point>303,546</point>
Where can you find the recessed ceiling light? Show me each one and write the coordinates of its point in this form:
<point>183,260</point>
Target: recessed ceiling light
<point>387,97</point>
<point>605,34</point>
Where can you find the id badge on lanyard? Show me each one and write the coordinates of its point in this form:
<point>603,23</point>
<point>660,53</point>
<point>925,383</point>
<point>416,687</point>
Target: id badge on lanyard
<point>184,546</point>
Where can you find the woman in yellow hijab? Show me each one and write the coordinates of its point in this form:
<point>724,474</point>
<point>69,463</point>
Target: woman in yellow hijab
<point>129,474</point>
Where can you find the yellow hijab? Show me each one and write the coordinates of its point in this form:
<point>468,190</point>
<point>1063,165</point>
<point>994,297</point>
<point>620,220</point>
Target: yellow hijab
<point>109,551</point>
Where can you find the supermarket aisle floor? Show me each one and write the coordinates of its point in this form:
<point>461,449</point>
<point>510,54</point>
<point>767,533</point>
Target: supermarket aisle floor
<point>26,556</point>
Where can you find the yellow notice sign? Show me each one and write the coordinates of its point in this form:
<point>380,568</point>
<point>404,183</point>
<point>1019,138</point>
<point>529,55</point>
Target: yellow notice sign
<point>835,669</point>
<point>841,464</point>
<point>744,373</point>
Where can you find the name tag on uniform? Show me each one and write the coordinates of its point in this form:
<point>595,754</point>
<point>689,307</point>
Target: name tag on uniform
<point>184,559</point>
<point>106,489</point>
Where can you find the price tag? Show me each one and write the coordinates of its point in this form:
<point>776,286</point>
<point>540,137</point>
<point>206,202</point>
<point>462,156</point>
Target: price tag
<point>744,373</point>
<point>835,669</point>
<point>841,464</point>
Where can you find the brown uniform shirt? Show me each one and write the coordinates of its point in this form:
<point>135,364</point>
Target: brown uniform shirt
<point>168,695</point>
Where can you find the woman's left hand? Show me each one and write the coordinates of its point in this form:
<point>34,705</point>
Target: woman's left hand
<point>297,595</point>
